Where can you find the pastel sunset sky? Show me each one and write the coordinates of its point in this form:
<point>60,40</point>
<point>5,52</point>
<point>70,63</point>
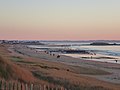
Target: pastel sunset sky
<point>60,19</point>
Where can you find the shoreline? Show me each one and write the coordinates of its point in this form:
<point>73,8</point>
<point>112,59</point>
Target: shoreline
<point>81,54</point>
<point>97,57</point>
<point>109,67</point>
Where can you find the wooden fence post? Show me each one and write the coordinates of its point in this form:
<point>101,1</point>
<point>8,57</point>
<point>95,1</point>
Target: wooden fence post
<point>44,87</point>
<point>13,86</point>
<point>56,88</point>
<point>23,86</point>
<point>26,87</point>
<point>9,86</point>
<point>31,86</point>
<point>4,85</point>
<point>61,88</point>
<point>1,85</point>
<point>52,88</point>
<point>40,87</point>
<point>17,86</point>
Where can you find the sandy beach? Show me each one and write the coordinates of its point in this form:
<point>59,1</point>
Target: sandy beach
<point>77,71</point>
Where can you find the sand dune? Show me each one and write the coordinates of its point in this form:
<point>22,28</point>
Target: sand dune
<point>29,65</point>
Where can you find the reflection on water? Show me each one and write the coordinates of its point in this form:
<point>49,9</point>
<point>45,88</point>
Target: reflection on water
<point>105,50</point>
<point>101,51</point>
<point>97,57</point>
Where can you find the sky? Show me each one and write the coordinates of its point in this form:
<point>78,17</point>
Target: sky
<point>60,19</point>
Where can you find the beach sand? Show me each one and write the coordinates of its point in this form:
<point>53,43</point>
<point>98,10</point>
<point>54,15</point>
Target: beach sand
<point>73,70</point>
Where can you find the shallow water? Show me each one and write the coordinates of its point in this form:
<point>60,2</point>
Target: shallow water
<point>105,50</point>
<point>88,57</point>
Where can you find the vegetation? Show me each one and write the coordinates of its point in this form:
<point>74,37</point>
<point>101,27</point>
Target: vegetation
<point>65,83</point>
<point>5,69</point>
<point>10,71</point>
<point>46,67</point>
<point>16,58</point>
<point>88,71</point>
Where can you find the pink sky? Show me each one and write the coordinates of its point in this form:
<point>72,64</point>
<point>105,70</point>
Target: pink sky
<point>60,20</point>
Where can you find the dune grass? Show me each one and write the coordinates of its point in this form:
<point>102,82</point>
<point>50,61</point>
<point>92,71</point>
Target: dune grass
<point>65,83</point>
<point>16,58</point>
<point>11,71</point>
<point>5,69</point>
<point>88,71</point>
<point>47,67</point>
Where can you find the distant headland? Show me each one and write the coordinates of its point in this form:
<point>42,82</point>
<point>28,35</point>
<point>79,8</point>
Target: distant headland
<point>102,43</point>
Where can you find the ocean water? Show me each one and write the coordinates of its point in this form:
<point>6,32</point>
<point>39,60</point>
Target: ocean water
<point>112,51</point>
<point>81,45</point>
<point>105,50</point>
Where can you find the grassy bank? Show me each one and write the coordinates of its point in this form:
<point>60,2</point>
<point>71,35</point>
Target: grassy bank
<point>66,83</point>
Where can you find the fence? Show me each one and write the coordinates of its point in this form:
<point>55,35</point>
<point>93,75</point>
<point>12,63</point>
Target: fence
<point>4,85</point>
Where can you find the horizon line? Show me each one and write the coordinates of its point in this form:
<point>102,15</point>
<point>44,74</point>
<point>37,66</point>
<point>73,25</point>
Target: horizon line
<point>59,40</point>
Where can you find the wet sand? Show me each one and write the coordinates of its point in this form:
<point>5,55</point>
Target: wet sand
<point>97,57</point>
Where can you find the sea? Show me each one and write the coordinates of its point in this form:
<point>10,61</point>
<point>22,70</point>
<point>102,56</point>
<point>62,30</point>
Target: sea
<point>112,51</point>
